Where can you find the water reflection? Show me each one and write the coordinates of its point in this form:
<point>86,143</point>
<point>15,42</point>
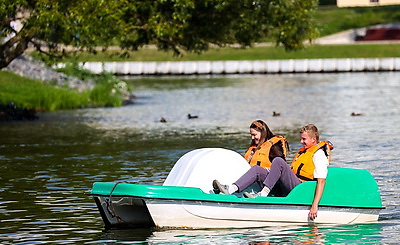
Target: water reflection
<point>182,82</point>
<point>346,234</point>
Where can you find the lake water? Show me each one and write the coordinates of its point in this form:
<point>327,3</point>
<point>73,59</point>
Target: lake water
<point>47,165</point>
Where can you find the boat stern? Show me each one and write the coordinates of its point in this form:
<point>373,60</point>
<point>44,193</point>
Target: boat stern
<point>121,211</point>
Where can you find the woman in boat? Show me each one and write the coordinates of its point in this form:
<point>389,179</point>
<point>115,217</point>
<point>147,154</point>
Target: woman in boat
<point>264,145</point>
<point>311,163</point>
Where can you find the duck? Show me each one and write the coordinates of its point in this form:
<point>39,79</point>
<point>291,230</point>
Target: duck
<point>276,114</point>
<point>353,114</point>
<point>192,117</point>
<point>163,120</point>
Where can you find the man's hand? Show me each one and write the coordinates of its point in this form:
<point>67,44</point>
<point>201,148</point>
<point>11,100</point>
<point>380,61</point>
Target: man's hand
<point>313,212</point>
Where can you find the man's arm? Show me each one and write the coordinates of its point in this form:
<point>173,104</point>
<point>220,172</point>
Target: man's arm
<point>320,173</point>
<point>317,197</point>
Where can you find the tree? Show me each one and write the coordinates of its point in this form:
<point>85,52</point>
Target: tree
<point>51,26</point>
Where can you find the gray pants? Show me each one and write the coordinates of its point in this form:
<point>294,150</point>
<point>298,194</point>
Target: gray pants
<point>279,176</point>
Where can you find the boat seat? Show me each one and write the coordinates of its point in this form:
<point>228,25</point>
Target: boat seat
<point>341,184</point>
<point>198,168</point>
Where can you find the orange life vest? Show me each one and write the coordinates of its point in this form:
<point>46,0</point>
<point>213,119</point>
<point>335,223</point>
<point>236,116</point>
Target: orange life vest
<point>261,156</point>
<point>303,165</point>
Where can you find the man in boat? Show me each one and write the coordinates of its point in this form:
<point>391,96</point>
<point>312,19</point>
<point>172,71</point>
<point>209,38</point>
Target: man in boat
<point>310,163</point>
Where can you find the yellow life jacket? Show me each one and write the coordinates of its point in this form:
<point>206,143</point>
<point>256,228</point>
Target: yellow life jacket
<point>261,156</point>
<point>303,165</point>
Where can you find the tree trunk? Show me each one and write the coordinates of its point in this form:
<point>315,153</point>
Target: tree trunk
<point>13,48</point>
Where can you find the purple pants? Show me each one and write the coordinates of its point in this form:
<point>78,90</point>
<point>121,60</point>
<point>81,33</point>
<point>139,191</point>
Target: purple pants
<point>279,176</point>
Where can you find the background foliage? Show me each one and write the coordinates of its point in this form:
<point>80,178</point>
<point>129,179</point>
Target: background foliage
<point>54,26</point>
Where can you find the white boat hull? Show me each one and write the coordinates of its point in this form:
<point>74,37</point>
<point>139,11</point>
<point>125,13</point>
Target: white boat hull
<point>198,214</point>
<point>222,215</point>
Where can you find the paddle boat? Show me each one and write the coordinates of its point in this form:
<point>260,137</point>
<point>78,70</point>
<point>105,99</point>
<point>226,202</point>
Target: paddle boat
<point>187,200</point>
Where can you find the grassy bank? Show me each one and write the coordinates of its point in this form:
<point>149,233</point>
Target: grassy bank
<point>32,94</point>
<point>28,93</point>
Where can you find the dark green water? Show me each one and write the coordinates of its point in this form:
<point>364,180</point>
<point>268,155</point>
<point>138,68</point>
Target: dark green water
<point>47,165</point>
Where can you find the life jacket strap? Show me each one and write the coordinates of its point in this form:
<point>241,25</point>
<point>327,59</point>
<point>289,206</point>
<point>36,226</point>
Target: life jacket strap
<point>300,176</point>
<point>303,178</point>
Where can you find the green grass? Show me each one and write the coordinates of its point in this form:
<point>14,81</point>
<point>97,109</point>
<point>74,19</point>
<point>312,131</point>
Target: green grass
<point>256,53</point>
<point>109,89</point>
<point>331,19</point>
<point>33,94</point>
